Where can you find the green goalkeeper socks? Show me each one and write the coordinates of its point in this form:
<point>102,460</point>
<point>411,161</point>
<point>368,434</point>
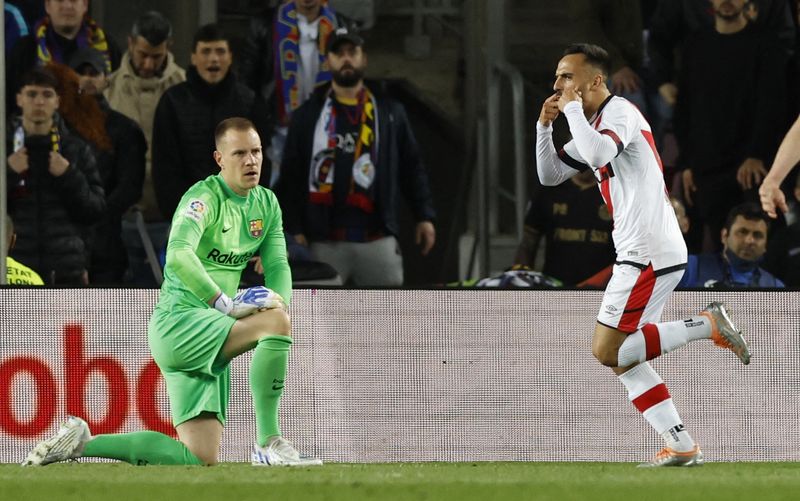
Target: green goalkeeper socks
<point>267,376</point>
<point>140,448</point>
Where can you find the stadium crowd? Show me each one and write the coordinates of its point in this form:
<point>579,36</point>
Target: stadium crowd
<point>103,142</point>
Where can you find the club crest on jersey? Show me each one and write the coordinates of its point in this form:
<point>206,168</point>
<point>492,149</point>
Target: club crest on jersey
<point>256,227</point>
<point>195,210</point>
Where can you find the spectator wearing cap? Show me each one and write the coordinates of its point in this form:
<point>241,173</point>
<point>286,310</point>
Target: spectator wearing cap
<point>147,70</point>
<point>188,113</point>
<point>350,154</point>
<point>120,148</point>
<point>283,60</point>
<point>64,29</point>
<point>54,191</point>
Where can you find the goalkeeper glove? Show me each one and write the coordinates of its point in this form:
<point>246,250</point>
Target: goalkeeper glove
<point>255,299</point>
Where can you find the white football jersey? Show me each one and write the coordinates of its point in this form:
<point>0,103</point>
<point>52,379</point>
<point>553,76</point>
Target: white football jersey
<point>631,179</point>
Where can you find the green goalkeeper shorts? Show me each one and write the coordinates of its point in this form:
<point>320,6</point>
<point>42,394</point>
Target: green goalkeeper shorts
<point>186,344</point>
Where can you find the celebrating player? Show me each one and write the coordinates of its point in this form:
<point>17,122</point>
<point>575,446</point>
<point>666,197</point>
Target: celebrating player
<point>197,329</point>
<point>611,137</point>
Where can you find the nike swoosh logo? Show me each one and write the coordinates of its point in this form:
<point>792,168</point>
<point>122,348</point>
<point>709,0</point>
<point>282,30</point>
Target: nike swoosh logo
<point>226,230</point>
<point>276,387</point>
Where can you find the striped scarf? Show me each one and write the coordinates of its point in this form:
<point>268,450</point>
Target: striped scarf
<point>323,160</point>
<point>90,35</point>
<point>287,55</point>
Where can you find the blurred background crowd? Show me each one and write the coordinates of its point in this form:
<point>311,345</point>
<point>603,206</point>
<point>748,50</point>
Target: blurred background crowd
<point>425,174</point>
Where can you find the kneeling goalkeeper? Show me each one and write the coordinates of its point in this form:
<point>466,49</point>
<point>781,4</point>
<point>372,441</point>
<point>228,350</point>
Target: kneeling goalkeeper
<point>197,328</point>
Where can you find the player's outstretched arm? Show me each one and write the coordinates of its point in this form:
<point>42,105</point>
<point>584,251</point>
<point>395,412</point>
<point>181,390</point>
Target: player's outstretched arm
<point>788,156</point>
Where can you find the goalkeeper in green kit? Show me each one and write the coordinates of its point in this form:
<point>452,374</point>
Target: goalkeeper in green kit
<point>199,324</point>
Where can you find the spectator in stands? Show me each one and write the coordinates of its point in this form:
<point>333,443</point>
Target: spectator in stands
<point>147,70</point>
<point>66,28</point>
<point>54,191</point>
<point>727,134</point>
<point>15,27</point>
<point>783,251</point>
<point>744,242</point>
<point>341,180</point>
<point>186,115</point>
<point>283,60</point>
<point>675,20</point>
<point>576,227</point>
<point>16,272</point>
<point>120,149</point>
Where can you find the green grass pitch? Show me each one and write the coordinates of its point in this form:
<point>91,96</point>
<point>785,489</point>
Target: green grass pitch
<point>402,481</point>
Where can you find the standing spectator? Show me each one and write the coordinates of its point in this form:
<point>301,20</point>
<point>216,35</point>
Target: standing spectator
<point>744,242</point>
<point>576,227</point>
<point>147,70</point>
<point>727,134</point>
<point>15,27</point>
<point>186,115</point>
<point>54,191</point>
<point>65,29</point>
<point>120,161</point>
<point>348,154</point>
<point>16,272</point>
<point>284,61</point>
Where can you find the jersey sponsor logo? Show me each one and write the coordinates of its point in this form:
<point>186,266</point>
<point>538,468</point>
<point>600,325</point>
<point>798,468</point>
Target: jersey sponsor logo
<point>256,227</point>
<point>195,210</point>
<point>220,257</point>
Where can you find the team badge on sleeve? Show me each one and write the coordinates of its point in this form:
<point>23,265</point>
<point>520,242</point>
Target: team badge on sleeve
<point>195,210</point>
<point>256,227</point>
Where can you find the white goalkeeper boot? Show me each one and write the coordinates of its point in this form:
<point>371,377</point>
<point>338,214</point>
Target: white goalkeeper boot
<point>280,452</point>
<point>66,444</point>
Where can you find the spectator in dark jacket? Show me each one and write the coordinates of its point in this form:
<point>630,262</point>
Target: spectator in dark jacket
<point>349,154</point>
<point>187,113</point>
<point>728,134</point>
<point>283,60</point>
<point>744,242</point>
<point>66,28</point>
<point>120,149</point>
<point>54,191</point>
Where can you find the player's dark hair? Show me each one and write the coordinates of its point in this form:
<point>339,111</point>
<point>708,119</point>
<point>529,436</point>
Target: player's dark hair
<point>153,27</point>
<point>595,55</point>
<point>233,123</point>
<point>41,77</point>
<point>209,33</point>
<point>750,211</point>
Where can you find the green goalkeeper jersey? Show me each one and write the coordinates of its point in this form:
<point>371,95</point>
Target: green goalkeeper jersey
<point>215,232</point>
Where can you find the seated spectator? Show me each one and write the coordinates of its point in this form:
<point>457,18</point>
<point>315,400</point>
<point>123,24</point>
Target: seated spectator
<point>744,242</point>
<point>120,152</point>
<point>341,182</point>
<point>54,191</point>
<point>66,28</point>
<point>576,228</point>
<point>16,272</point>
<point>783,251</point>
<point>188,113</point>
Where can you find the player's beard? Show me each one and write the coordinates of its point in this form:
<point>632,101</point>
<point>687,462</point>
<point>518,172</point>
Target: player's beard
<point>349,78</point>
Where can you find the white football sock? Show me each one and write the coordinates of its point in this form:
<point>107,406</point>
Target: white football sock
<point>654,340</point>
